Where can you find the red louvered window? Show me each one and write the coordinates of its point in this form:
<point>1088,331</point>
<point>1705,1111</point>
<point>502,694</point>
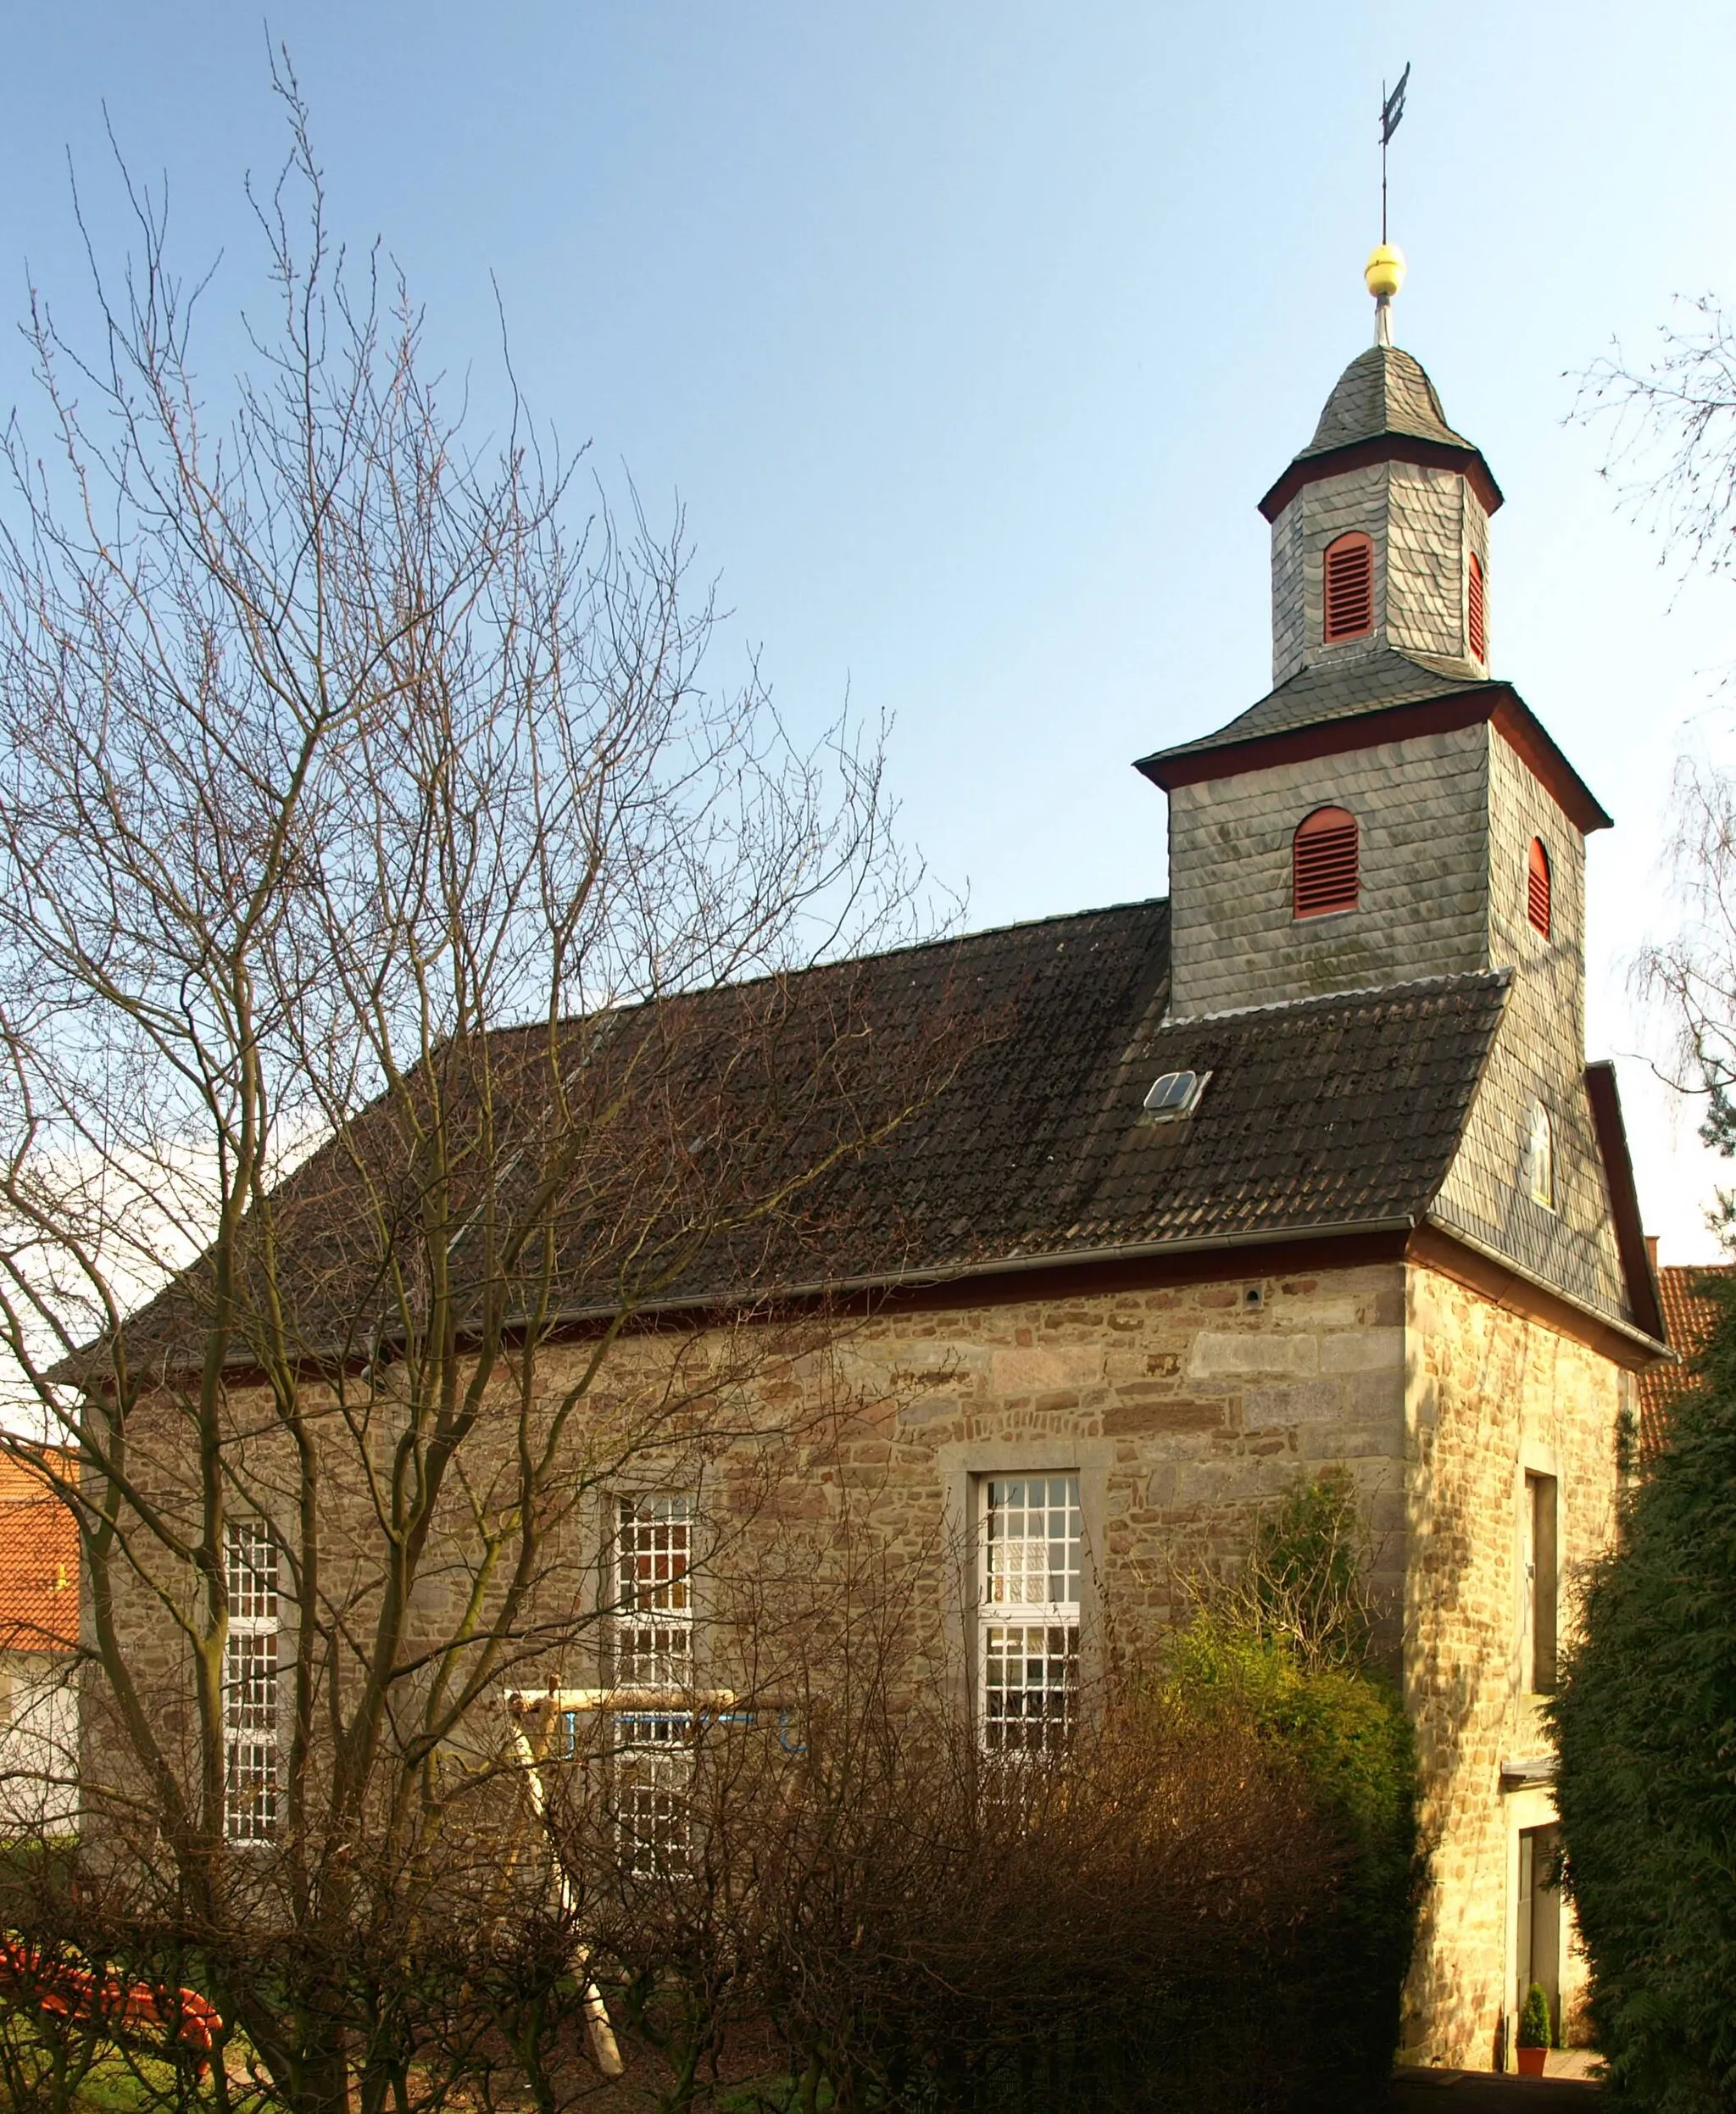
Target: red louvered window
<point>1349,588</point>
<point>1473,610</point>
<point>1537,888</point>
<point>1324,871</point>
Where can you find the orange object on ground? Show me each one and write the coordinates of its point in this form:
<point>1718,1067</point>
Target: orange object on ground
<point>80,1996</point>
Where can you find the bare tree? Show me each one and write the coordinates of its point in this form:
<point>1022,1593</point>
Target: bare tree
<point>1671,455</point>
<point>403,1045</point>
<point>1672,459</point>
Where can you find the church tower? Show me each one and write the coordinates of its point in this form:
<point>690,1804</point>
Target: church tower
<point>1391,808</point>
<point>1392,811</point>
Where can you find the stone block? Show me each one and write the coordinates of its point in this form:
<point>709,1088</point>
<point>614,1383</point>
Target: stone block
<point>1218,1355</point>
<point>1166,1413</point>
<point>1363,1350</point>
<point>1308,1402</point>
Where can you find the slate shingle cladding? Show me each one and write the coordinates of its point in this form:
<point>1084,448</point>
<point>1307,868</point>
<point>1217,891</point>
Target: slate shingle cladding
<point>1384,390</point>
<point>1324,1113</point>
<point>1334,1112</point>
<point>1379,680</point>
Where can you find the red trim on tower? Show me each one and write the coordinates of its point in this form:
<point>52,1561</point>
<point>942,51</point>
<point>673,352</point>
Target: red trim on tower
<point>1384,448</point>
<point>1492,701</point>
<point>1601,1090</point>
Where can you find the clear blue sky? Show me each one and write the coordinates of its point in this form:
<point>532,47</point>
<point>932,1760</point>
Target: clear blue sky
<point>969,333</point>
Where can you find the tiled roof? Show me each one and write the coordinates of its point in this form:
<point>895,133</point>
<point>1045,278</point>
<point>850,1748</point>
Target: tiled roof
<point>1384,390</point>
<point>1689,1312</point>
<point>39,1560</point>
<point>1321,1115</point>
<point>1371,681</point>
<point>1327,1112</point>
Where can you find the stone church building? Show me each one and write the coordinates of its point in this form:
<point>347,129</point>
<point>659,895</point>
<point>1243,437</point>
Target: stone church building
<point>1305,1165</point>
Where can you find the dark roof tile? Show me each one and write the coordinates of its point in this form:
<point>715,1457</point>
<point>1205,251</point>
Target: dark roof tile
<point>1323,1114</point>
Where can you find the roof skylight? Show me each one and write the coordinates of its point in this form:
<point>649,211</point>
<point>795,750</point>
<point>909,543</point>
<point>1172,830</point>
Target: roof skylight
<point>1176,1093</point>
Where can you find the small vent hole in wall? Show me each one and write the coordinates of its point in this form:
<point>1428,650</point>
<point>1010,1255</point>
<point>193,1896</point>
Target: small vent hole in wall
<point>1538,907</point>
<point>1349,588</point>
<point>1253,1295</point>
<point>1326,873</point>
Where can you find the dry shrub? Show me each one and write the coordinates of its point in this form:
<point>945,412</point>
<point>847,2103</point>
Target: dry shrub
<point>890,1919</point>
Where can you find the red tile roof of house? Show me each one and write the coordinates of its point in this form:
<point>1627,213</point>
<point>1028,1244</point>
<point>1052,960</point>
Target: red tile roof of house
<point>39,1559</point>
<point>1688,1315</point>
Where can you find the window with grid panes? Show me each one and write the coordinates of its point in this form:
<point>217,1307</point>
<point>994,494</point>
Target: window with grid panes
<point>250,1683</point>
<point>1032,1543</point>
<point>653,1645</point>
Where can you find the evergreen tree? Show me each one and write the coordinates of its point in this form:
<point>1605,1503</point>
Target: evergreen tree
<point>1646,1725</point>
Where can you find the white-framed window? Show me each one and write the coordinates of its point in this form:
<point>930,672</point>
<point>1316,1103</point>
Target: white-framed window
<point>251,1560</point>
<point>1031,1543</point>
<point>652,1647</point>
<point>1540,1157</point>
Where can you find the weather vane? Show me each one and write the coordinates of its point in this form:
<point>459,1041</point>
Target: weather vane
<point>1392,111</point>
<point>1384,273</point>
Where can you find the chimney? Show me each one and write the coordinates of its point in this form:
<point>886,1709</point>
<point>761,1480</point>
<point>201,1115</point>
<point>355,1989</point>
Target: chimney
<point>1651,1252</point>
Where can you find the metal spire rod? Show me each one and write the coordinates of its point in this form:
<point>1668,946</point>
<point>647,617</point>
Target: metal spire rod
<point>1383,159</point>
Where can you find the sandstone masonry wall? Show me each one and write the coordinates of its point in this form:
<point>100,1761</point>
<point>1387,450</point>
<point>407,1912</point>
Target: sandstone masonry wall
<point>1490,1395</point>
<point>1182,1408</point>
<point>1189,1403</point>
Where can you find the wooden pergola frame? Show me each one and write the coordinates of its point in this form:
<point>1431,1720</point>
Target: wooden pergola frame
<point>533,1712</point>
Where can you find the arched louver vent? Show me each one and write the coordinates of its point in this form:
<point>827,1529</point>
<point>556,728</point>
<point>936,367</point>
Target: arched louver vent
<point>1473,611</point>
<point>1537,888</point>
<point>1349,588</point>
<point>1324,863</point>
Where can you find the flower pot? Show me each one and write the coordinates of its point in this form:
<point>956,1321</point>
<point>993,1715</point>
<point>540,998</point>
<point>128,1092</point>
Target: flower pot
<point>1531,2061</point>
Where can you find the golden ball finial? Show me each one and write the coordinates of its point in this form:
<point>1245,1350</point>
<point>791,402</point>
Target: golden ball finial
<point>1385,272</point>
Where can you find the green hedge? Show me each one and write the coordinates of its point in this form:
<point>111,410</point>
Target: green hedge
<point>1348,1733</point>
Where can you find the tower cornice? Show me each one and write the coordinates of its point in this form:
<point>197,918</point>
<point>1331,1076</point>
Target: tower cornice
<point>1497,702</point>
<point>1384,447</point>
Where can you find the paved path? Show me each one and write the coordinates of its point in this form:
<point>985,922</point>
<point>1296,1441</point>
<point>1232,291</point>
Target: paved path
<point>1478,2092</point>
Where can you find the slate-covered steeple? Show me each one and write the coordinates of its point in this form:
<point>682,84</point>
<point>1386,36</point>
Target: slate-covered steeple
<point>1386,754</point>
<point>1384,465</point>
<point>1389,504</point>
